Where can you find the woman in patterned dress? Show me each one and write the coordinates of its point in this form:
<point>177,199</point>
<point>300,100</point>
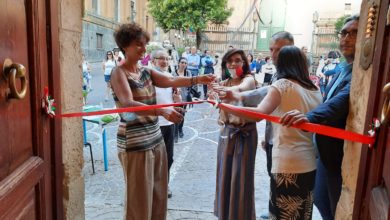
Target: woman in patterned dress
<point>293,155</point>
<point>234,197</point>
<point>141,149</point>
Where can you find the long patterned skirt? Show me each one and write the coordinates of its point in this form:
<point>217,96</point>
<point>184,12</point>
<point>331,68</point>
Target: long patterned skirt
<point>292,196</point>
<point>234,197</point>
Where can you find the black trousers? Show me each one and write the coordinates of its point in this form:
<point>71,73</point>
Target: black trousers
<point>168,133</point>
<point>179,126</point>
<point>268,153</point>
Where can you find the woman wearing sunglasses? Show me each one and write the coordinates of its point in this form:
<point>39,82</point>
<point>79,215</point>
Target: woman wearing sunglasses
<point>108,64</point>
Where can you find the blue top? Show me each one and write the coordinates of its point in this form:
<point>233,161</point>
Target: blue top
<point>208,64</point>
<point>253,66</point>
<point>193,61</point>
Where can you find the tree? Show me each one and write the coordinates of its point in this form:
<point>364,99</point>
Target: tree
<point>340,23</point>
<point>189,14</point>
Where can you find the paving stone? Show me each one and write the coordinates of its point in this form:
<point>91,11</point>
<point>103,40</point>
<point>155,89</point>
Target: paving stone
<point>192,174</point>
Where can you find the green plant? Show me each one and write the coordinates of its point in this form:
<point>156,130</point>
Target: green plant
<point>192,15</point>
<point>180,50</point>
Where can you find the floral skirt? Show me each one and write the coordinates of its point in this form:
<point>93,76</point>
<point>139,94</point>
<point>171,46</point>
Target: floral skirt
<point>291,195</point>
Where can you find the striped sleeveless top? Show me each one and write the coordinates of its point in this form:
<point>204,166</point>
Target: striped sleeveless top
<point>135,132</point>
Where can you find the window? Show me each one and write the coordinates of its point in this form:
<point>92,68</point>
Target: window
<point>96,6</point>
<point>132,10</point>
<point>99,41</point>
<point>117,12</point>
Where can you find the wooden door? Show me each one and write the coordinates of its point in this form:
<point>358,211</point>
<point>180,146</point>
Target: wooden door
<point>27,174</point>
<point>373,189</point>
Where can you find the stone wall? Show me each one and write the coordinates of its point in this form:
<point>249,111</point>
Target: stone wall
<point>70,28</point>
<point>89,41</point>
<point>356,121</point>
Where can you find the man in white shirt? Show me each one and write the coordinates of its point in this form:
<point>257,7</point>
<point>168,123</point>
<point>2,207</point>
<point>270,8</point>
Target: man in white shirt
<point>160,61</point>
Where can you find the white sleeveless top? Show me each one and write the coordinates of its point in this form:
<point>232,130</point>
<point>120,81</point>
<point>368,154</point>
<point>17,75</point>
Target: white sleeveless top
<point>109,65</point>
<point>293,150</point>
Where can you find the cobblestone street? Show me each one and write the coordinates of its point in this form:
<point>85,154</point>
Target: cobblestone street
<point>192,179</point>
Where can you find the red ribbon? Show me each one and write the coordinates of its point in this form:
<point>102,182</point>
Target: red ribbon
<point>315,128</point>
<point>127,109</point>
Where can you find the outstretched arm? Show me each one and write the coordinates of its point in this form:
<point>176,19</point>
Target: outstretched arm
<point>163,81</point>
<point>270,102</point>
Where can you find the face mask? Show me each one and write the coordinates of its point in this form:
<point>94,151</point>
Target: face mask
<point>235,73</point>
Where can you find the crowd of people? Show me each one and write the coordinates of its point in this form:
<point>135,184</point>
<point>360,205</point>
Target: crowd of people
<point>304,168</point>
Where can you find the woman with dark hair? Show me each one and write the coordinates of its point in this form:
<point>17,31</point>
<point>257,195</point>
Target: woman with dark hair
<point>234,198</point>
<point>252,63</point>
<point>108,65</point>
<point>268,69</point>
<point>293,155</point>
<point>184,91</point>
<point>141,148</point>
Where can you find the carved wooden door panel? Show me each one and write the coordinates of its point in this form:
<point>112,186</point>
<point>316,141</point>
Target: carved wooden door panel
<point>26,190</point>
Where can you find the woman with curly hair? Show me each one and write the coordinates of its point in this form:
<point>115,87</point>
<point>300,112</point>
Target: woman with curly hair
<point>141,148</point>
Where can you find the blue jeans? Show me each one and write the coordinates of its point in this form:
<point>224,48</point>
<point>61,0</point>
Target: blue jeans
<point>194,72</point>
<point>327,191</point>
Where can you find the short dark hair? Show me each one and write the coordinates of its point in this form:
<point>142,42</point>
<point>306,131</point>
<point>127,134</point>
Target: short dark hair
<point>228,54</point>
<point>129,32</point>
<point>334,54</point>
<point>283,35</point>
<point>292,64</point>
<point>352,18</point>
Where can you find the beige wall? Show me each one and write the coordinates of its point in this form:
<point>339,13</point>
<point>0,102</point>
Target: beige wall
<point>240,10</point>
<point>107,12</point>
<point>70,28</point>
<point>356,120</point>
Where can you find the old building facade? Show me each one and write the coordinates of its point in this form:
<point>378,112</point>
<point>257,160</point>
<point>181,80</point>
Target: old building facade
<point>102,17</point>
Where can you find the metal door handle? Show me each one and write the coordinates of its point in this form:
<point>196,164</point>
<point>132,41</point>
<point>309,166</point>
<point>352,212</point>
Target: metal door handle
<point>12,72</point>
<point>385,108</point>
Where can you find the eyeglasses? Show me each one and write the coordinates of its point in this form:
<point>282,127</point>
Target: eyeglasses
<point>352,34</point>
<point>183,62</point>
<point>230,62</point>
<point>163,58</point>
<point>109,54</point>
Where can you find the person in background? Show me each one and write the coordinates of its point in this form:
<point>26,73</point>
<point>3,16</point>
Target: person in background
<point>309,59</point>
<point>293,155</point>
<point>268,69</point>
<point>252,63</point>
<point>332,112</point>
<point>118,59</point>
<point>193,62</point>
<point>166,96</point>
<point>186,52</point>
<point>141,148</point>
<point>208,65</point>
<point>237,145</point>
<point>331,67</point>
<point>86,75</point>
<point>259,63</point>
<point>108,65</point>
<point>185,95</point>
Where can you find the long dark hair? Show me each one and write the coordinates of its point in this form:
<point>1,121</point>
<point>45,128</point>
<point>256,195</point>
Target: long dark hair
<point>292,64</point>
<point>228,54</point>
<point>185,70</point>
